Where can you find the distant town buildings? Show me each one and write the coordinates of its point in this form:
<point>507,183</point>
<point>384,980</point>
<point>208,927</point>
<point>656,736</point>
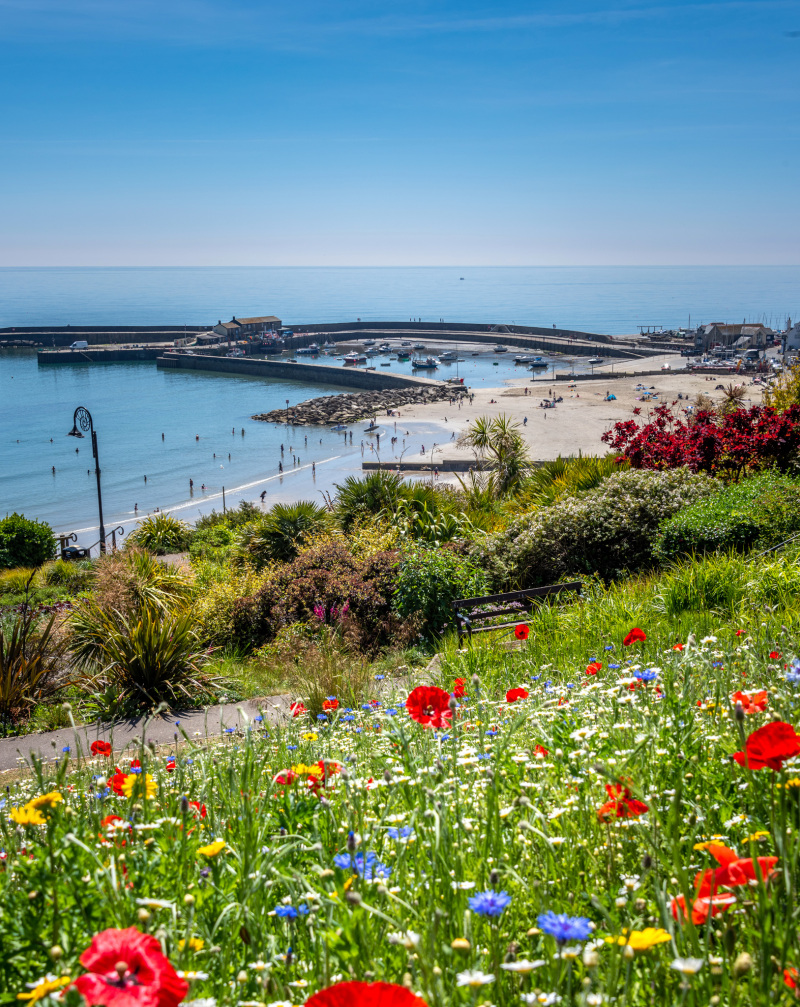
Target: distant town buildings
<point>239,328</point>
<point>744,336</point>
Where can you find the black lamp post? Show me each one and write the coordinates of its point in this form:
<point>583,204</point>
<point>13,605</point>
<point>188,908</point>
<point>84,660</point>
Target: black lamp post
<point>83,420</point>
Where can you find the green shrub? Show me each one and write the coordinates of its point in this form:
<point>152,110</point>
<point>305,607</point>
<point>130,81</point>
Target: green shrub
<point>357,499</point>
<point>236,518</point>
<point>762,510</point>
<point>213,542</point>
<point>24,542</point>
<point>283,532</point>
<point>161,534</point>
<point>429,581</point>
<point>606,531</point>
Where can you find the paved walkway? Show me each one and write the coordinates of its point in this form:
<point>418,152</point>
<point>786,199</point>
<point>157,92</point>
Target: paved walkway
<point>50,746</point>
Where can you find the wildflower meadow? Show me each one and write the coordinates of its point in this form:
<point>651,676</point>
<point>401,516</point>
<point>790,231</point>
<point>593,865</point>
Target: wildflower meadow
<point>616,829</point>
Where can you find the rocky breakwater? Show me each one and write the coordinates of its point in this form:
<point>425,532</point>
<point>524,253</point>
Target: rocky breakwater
<point>355,406</point>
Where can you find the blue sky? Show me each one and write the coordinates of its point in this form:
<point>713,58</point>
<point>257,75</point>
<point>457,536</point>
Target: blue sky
<point>196,132</point>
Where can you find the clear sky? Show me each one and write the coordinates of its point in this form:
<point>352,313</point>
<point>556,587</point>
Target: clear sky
<point>394,132</point>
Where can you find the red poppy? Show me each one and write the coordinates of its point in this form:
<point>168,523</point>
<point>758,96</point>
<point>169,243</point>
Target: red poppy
<point>330,704</point>
<point>703,909</point>
<point>429,706</point>
<point>739,632</point>
<point>790,976</point>
<point>540,750</point>
<point>522,632</point>
<point>285,778</point>
<point>170,766</point>
<point>775,655</point>
<point>636,635</point>
<point>126,968</point>
<point>734,871</point>
<point>752,702</point>
<point>111,818</point>
<point>678,646</point>
<point>198,809</point>
<point>135,764</point>
<point>514,694</point>
<point>622,804</point>
<point>459,688</point>
<point>116,781</point>
<point>101,748</point>
<point>357,994</point>
<point>769,747</point>
<point>594,667</point>
<point>329,768</point>
<point>297,708</point>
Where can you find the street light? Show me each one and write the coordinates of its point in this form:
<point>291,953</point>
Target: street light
<point>83,419</point>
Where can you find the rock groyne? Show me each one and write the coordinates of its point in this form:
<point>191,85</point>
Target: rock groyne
<point>355,406</point>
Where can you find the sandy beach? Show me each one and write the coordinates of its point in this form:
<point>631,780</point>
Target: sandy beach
<point>576,424</point>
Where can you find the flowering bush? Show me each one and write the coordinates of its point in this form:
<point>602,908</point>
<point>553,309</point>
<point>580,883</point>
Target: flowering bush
<point>430,580</point>
<point>742,439</point>
<point>608,530</point>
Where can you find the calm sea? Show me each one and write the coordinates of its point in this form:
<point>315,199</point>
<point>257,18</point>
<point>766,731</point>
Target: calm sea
<point>134,404</point>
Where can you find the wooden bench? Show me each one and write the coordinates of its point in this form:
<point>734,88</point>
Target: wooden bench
<point>469,611</point>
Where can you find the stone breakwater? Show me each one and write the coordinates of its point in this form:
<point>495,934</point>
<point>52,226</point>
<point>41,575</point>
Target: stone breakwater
<point>355,406</point>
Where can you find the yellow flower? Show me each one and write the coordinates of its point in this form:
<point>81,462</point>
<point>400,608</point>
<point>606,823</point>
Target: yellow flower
<point>761,834</point>
<point>135,783</point>
<point>641,940</point>
<point>303,770</point>
<point>47,800</point>
<point>195,944</point>
<point>310,736</point>
<point>213,849</point>
<point>44,987</point>
<point>27,815</point>
<point>793,783</point>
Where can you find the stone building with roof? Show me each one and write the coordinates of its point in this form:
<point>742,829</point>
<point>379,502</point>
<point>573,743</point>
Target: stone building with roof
<point>240,328</point>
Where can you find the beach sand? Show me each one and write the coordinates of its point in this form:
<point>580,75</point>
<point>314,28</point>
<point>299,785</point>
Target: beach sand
<point>575,425</point>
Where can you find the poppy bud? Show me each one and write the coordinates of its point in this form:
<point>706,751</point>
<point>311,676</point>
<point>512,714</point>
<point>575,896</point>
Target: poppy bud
<point>476,681</point>
<point>742,965</point>
<point>241,977</point>
<point>460,944</point>
<point>188,900</point>
<point>56,952</point>
<point>143,915</point>
<point>353,897</point>
<point>184,804</point>
<point>738,711</point>
<point>647,862</point>
<point>494,877</point>
<point>408,982</point>
<point>387,776</point>
<point>351,841</point>
<point>452,704</point>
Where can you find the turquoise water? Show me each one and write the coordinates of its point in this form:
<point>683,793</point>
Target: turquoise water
<point>613,299</point>
<point>132,404</point>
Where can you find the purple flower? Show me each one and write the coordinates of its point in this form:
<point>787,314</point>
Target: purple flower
<point>366,865</point>
<point>490,903</point>
<point>319,612</point>
<point>290,913</point>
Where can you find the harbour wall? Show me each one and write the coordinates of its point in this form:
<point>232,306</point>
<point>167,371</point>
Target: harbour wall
<point>345,377</point>
<point>492,330</point>
<point>63,335</point>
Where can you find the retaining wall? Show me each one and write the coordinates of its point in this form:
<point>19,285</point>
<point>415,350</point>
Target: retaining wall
<point>346,377</point>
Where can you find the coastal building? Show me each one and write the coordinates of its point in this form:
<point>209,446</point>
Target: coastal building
<point>734,336</point>
<point>238,328</point>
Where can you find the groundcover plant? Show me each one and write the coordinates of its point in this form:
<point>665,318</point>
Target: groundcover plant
<point>621,831</point>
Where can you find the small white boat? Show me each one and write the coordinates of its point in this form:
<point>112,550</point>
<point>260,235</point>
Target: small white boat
<point>308,351</point>
<point>339,426</point>
<point>235,352</point>
<point>428,364</point>
<point>328,345</point>
<point>500,348</point>
<point>385,348</point>
<point>537,362</point>
<point>420,346</point>
<point>405,343</point>
<point>524,358</point>
<point>352,359</point>
<point>369,342</point>
<point>448,355</point>
<point>595,360</point>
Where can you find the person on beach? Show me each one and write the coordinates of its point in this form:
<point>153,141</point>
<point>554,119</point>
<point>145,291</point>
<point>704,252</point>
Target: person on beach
<point>313,468</point>
<point>191,485</point>
<point>263,495</point>
<point>145,479</point>
<point>135,508</point>
<point>162,437</point>
<point>280,466</point>
<point>197,437</point>
<point>54,470</point>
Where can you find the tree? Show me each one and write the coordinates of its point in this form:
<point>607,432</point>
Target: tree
<point>785,391</point>
<point>24,542</point>
<point>502,456</point>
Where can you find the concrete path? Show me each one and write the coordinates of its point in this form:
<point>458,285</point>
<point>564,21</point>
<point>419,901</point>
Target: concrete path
<point>195,724</point>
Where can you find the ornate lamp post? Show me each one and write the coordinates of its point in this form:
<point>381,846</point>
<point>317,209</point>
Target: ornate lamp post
<point>83,420</point>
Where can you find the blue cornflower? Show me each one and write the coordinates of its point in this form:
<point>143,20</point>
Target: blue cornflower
<point>379,678</point>
<point>188,762</point>
<point>359,730</point>
<point>403,833</point>
<point>321,716</point>
<point>366,865</point>
<point>485,755</point>
<point>613,667</point>
<point>793,673</point>
<point>177,723</point>
<point>330,698</point>
<point>258,719</point>
<point>290,912</point>
<point>570,685</point>
<point>609,646</point>
<point>365,706</point>
<point>489,903</point>
<point>348,717</point>
<point>445,737</point>
<point>391,712</point>
<point>102,794</point>
<point>135,769</point>
<point>491,734</point>
<point>536,678</point>
<point>647,675</point>
<point>66,749</point>
<point>291,748</point>
<point>565,928</point>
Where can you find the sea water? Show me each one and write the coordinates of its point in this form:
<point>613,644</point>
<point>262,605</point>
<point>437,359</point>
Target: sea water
<point>201,415</point>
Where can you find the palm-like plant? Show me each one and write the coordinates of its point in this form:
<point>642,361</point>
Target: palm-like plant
<point>283,532</point>
<point>367,497</point>
<point>501,453</point>
<point>143,659</point>
<point>161,533</point>
<point>26,666</point>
